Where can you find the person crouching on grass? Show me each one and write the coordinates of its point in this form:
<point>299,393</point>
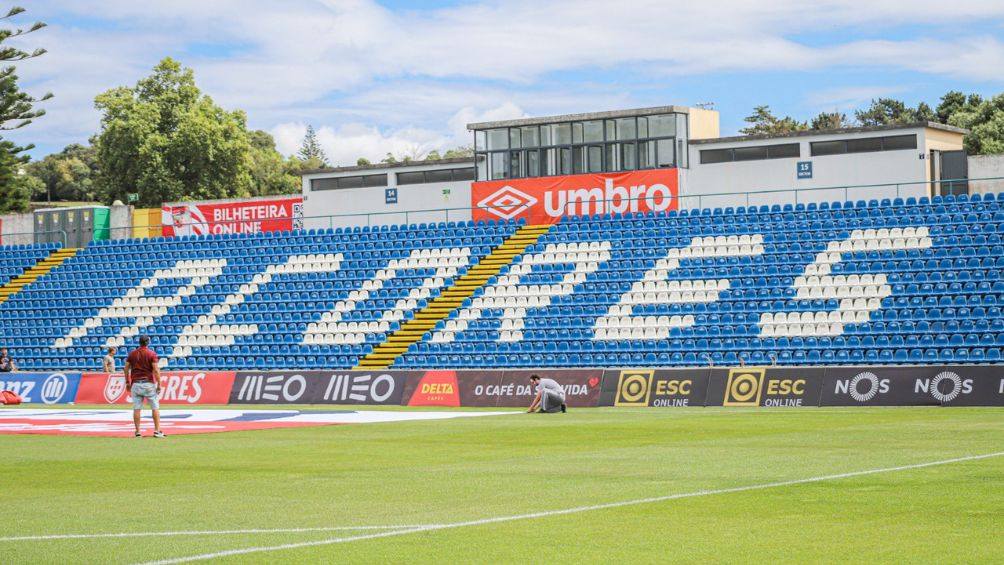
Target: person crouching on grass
<point>143,381</point>
<point>550,396</point>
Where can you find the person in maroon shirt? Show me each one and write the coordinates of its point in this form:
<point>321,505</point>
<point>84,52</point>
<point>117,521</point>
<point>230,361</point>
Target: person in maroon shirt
<point>143,381</point>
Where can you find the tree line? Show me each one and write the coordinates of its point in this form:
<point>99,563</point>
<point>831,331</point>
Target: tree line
<point>984,118</point>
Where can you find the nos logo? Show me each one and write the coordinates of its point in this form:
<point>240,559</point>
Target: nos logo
<point>945,387</point>
<point>863,387</point>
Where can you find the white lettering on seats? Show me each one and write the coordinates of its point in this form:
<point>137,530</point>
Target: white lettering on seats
<point>205,332</point>
<point>146,309</point>
<point>859,295</point>
<point>655,288</point>
<point>516,298</point>
<point>330,329</point>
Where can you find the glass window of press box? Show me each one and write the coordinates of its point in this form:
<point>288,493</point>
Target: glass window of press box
<point>587,146</point>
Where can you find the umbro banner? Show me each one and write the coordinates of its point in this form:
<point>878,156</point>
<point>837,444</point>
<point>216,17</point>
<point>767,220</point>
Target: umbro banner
<point>546,200</point>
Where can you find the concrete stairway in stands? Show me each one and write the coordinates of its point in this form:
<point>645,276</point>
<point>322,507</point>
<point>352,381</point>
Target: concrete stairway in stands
<point>384,354</point>
<point>40,269</point>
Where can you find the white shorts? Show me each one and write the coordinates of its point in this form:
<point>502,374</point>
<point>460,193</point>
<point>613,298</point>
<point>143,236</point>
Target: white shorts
<point>145,390</point>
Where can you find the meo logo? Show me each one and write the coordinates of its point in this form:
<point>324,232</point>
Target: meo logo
<point>634,388</point>
<point>743,387</point>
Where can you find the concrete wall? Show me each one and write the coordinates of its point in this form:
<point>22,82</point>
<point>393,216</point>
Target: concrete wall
<point>700,184</point>
<point>121,222</point>
<point>367,206</point>
<point>703,123</point>
<point>17,229</point>
<point>986,166</point>
<point>416,203</point>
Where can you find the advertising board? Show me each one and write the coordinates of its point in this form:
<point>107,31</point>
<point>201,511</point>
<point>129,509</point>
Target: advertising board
<point>252,216</point>
<point>177,387</point>
<point>546,200</point>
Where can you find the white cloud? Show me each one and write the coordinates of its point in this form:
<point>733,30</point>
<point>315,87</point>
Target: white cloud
<point>414,76</point>
<point>849,97</point>
<point>345,144</point>
<point>468,115</point>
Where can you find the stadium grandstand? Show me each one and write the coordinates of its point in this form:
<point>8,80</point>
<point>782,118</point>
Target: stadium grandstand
<point>896,281</point>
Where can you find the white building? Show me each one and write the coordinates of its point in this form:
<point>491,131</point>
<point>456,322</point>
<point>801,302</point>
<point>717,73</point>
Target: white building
<point>402,193</point>
<point>528,168</point>
<point>816,166</point>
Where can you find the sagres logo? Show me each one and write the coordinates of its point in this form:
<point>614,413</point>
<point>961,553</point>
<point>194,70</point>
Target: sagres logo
<point>945,386</point>
<point>743,387</point>
<point>634,388</point>
<point>507,202</point>
<point>114,388</point>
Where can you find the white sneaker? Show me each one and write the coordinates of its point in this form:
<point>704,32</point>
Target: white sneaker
<point>159,435</point>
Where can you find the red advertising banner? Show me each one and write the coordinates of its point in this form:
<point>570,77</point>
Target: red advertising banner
<point>177,387</point>
<point>253,216</point>
<point>545,200</point>
<point>436,388</point>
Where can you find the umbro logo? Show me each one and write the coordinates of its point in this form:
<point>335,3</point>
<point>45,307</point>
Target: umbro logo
<point>507,202</point>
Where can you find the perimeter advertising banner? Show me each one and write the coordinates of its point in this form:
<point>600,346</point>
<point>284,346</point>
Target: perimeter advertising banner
<point>177,387</point>
<point>655,387</point>
<point>510,388</point>
<point>960,385</point>
<point>546,200</point>
<point>47,388</point>
<point>765,386</point>
<point>252,216</point>
<point>319,387</point>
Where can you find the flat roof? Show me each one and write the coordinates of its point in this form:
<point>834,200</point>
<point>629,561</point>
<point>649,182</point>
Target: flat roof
<point>577,117</point>
<point>398,165</point>
<point>861,129</point>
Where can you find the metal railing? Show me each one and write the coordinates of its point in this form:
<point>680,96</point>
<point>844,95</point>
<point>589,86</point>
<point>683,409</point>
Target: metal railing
<point>762,197</point>
<point>31,237</point>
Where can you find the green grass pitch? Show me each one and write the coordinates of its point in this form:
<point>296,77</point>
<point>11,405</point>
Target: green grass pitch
<point>444,472</point>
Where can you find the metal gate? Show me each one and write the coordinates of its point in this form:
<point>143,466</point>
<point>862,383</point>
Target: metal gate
<point>951,171</point>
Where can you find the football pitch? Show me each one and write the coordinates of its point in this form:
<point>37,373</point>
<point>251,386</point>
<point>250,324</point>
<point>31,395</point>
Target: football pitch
<point>594,485</point>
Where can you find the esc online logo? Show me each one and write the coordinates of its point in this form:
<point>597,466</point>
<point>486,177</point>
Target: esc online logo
<point>656,287</point>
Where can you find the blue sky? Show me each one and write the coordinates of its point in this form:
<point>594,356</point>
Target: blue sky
<point>406,77</point>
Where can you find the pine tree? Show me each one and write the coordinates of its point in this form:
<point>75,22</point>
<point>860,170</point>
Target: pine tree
<point>311,148</point>
<point>17,109</point>
<point>14,192</point>
<point>764,122</point>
